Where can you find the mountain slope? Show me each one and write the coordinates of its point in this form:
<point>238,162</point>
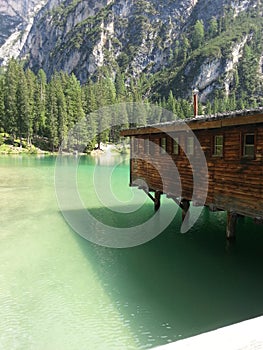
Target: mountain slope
<point>16,19</point>
<point>150,37</point>
<point>82,36</point>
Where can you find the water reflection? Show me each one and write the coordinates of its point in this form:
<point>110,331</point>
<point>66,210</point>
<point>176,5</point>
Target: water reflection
<point>179,285</point>
<point>176,286</point>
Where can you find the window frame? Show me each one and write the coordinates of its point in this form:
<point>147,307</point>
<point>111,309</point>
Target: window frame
<point>216,146</point>
<point>190,151</point>
<point>152,146</point>
<point>135,145</point>
<point>245,145</point>
<point>146,146</point>
<point>175,143</point>
<point>163,147</point>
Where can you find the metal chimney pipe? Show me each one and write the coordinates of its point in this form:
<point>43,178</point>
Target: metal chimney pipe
<point>195,97</point>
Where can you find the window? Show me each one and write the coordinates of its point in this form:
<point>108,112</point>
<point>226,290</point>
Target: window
<point>175,149</point>
<point>152,147</point>
<point>163,145</point>
<point>249,145</point>
<point>190,146</point>
<point>135,164</point>
<point>146,146</point>
<point>218,145</point>
<point>134,144</point>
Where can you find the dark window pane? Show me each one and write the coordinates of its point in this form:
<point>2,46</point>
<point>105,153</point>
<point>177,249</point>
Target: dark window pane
<point>249,140</point>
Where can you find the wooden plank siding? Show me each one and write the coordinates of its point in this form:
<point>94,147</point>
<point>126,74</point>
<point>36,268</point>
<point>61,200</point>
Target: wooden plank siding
<point>235,182</point>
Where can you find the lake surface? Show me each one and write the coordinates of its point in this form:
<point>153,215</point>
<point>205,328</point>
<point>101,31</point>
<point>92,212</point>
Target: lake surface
<point>60,291</point>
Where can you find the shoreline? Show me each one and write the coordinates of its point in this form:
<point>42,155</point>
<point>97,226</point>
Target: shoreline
<point>6,149</point>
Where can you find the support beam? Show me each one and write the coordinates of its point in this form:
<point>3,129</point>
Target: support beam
<point>258,221</point>
<point>157,200</point>
<point>147,192</point>
<point>231,225</point>
<point>185,205</point>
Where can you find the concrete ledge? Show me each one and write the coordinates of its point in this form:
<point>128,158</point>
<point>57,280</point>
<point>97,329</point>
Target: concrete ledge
<point>247,335</point>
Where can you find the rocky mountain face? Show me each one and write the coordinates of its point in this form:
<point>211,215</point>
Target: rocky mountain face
<point>82,36</point>
<point>135,37</point>
<point>16,19</point>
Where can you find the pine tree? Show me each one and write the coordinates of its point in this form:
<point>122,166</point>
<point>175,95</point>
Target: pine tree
<point>241,102</point>
<point>248,72</point>
<point>89,98</point>
<point>156,114</point>
<point>198,34</point>
<point>215,106</point>
<point>62,116</point>
<point>40,103</point>
<point>31,88</point>
<point>171,103</point>
<point>231,103</point>
<point>120,87</point>
<point>52,116</point>
<point>73,96</point>
<point>22,105</point>
<point>222,105</point>
<point>103,119</point>
<point>213,28</point>
<point>10,98</point>
<point>91,128</point>
<point>208,108</point>
<point>110,91</point>
<point>2,104</point>
<point>200,108</point>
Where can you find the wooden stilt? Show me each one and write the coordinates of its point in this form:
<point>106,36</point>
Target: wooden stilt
<point>258,221</point>
<point>185,205</point>
<point>231,225</point>
<point>157,200</point>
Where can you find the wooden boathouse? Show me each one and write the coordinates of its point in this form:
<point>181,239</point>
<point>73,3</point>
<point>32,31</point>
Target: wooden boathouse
<point>232,144</point>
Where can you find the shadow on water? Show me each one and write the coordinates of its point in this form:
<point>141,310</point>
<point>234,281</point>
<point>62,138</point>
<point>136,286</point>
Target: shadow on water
<point>176,285</point>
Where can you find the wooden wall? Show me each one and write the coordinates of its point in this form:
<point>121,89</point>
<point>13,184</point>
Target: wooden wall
<point>235,183</point>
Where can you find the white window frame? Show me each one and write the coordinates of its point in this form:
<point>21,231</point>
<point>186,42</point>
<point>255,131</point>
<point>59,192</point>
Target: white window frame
<point>163,145</point>
<point>190,146</point>
<point>175,149</point>
<point>146,146</point>
<point>249,146</point>
<point>218,147</point>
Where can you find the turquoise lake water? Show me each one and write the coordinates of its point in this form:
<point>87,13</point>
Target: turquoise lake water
<point>60,291</point>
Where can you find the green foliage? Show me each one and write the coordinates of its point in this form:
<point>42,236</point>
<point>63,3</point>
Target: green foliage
<point>32,149</point>
<point>198,34</point>
<point>10,97</point>
<point>213,28</point>
<point>2,103</point>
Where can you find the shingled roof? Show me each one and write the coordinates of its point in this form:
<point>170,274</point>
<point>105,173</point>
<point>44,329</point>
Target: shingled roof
<point>219,120</point>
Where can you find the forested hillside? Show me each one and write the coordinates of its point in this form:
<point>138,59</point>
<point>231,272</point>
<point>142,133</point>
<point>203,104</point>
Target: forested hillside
<point>43,112</point>
<point>222,58</point>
